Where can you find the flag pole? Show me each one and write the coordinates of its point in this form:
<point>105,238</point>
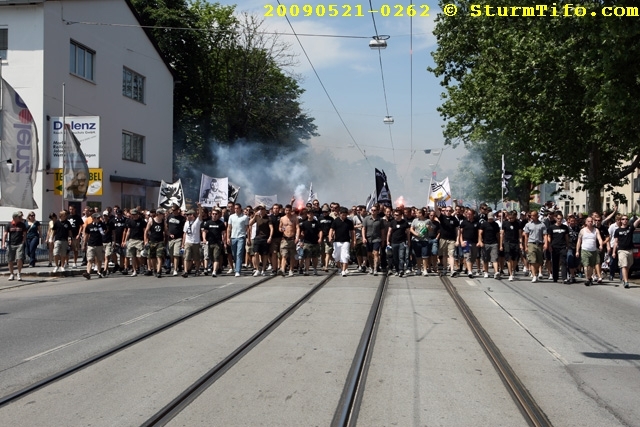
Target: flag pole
<point>64,142</point>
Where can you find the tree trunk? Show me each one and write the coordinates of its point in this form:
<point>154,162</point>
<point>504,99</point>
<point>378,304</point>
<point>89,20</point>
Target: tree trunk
<point>594,203</point>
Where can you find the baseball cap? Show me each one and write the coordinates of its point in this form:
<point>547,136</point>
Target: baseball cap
<point>16,214</point>
<point>96,215</point>
<point>490,215</point>
<point>133,211</point>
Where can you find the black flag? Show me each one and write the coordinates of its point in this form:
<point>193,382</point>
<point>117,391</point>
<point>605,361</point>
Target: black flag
<point>382,189</point>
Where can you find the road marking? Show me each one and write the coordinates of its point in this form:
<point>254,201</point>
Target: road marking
<point>224,286</point>
<point>190,298</point>
<point>137,318</point>
<point>471,283</point>
<point>44,353</point>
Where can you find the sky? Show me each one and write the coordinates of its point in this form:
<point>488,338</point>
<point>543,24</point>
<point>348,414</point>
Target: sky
<point>351,73</point>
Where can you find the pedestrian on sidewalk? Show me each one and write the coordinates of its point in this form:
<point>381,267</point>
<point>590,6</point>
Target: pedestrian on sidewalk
<point>33,238</point>
<point>16,232</point>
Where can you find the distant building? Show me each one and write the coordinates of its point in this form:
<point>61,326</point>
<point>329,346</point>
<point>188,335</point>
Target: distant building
<point>118,93</point>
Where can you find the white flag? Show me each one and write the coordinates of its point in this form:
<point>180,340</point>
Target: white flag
<point>440,193</point>
<point>75,178</point>
<point>267,201</point>
<point>371,200</point>
<point>214,191</point>
<point>170,194</point>
<point>19,138</point>
<point>233,192</point>
<point>312,194</point>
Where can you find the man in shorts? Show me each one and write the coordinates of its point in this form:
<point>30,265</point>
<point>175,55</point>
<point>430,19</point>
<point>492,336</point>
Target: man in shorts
<point>290,236</point>
<point>191,238</point>
<point>535,244</point>
<point>133,240</point>
<point>16,234</point>
<point>262,240</point>
<point>61,241</point>
<point>311,235</point>
<point>448,237</point>
<point>326,248</point>
<point>92,244</point>
<point>155,235</point>
<point>342,235</point>
<point>510,242</point>
<point>214,233</point>
<point>623,245</point>
<point>372,228</point>
<point>175,225</point>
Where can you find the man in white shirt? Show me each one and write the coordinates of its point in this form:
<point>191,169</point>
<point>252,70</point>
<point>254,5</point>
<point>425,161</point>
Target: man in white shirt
<point>237,235</point>
<point>191,239</point>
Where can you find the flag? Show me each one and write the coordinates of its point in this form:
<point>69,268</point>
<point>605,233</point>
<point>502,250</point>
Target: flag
<point>267,201</point>
<point>371,200</point>
<point>312,195</point>
<point>170,194</point>
<point>214,191</point>
<point>75,175</point>
<point>19,138</point>
<point>233,192</point>
<point>506,176</point>
<point>440,193</point>
<point>383,195</point>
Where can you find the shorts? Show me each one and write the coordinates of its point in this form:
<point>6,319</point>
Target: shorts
<point>60,248</point>
<point>260,247</point>
<point>174,247</point>
<point>108,249</point>
<point>135,248</point>
<point>341,251</point>
<point>15,252</point>
<point>534,253</point>
<point>192,252</point>
<point>361,249</point>
<point>75,244</point>
<point>311,250</point>
<point>472,254</point>
<point>274,246</point>
<point>625,258</point>
<point>327,248</point>
<point>447,247</point>
<point>214,250</point>
<point>490,252</point>
<point>433,248</point>
<point>373,247</point>
<point>287,248</point>
<point>95,253</point>
<point>510,251</point>
<point>590,258</point>
<point>156,250</point>
<point>420,248</point>
<point>572,261</point>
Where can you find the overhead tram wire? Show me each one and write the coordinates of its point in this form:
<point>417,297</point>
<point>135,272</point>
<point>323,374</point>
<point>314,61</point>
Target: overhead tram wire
<point>325,91</point>
<point>410,91</point>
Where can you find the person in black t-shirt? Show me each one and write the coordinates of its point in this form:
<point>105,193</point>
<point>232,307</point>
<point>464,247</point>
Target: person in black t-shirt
<point>623,244</point>
<point>133,240</point>
<point>175,225</point>
<point>511,241</point>
<point>214,232</point>
<point>326,248</point>
<point>61,241</point>
<point>76,224</point>
<point>92,244</point>
<point>399,236</point>
<point>488,239</point>
<point>155,236</point>
<point>311,235</point>
<point>16,234</point>
<point>342,234</point>
<point>468,239</point>
<point>448,237</point>
<point>558,240</point>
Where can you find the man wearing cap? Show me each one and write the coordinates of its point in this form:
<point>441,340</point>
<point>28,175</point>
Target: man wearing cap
<point>92,244</point>
<point>17,234</point>
<point>237,235</point>
<point>155,235</point>
<point>133,240</point>
<point>191,238</point>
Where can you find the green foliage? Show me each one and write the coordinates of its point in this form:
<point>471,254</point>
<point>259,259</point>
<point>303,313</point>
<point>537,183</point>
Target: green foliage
<point>560,93</point>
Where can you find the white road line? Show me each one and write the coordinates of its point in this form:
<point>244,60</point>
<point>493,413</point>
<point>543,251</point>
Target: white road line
<point>471,283</point>
<point>224,286</point>
<point>137,318</point>
<point>190,298</point>
<point>44,353</point>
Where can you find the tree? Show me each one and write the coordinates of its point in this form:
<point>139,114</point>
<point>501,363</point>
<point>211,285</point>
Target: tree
<point>559,90</point>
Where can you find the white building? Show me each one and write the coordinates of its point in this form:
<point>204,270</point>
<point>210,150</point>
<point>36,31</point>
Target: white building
<point>112,70</point>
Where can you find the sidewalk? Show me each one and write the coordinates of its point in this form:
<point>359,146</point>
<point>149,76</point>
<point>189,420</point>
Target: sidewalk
<point>40,270</point>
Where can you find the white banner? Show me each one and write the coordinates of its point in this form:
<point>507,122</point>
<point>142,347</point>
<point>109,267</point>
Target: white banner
<point>170,194</point>
<point>233,193</point>
<point>75,179</point>
<point>19,138</point>
<point>440,193</point>
<point>267,201</point>
<point>87,131</point>
<point>214,191</point>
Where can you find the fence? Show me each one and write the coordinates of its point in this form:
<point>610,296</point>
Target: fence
<point>42,253</point>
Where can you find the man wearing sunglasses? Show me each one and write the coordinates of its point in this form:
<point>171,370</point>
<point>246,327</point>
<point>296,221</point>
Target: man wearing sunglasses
<point>623,244</point>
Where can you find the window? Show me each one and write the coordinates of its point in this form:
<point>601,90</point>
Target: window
<point>132,146</point>
<point>132,85</point>
<point>4,43</point>
<point>131,201</point>
<point>81,61</point>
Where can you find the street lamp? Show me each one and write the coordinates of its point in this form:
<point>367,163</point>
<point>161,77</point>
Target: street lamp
<point>379,42</point>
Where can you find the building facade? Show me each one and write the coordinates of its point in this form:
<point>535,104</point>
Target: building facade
<point>116,83</point>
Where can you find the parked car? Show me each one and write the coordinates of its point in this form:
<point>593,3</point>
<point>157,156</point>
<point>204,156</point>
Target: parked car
<point>636,252</point>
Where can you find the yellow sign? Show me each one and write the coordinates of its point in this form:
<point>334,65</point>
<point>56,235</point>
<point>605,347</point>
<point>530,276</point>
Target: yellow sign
<point>95,182</point>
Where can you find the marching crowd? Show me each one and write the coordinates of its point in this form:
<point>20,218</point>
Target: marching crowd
<point>286,240</point>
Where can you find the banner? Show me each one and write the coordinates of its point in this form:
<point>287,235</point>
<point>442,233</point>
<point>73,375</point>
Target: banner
<point>440,194</point>
<point>95,182</point>
<point>233,192</point>
<point>75,172</point>
<point>267,201</point>
<point>19,138</point>
<point>383,195</point>
<point>170,194</point>
<point>506,176</point>
<point>214,191</point>
<point>371,200</point>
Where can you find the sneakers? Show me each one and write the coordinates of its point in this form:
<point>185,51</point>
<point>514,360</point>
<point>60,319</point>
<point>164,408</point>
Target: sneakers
<point>281,272</point>
<point>237,274</point>
<point>402,273</point>
<point>175,273</point>
<point>550,276</point>
<point>256,273</point>
<point>213,274</point>
<point>315,272</point>
<point>470,275</point>
<point>185,274</point>
<point>61,269</point>
<point>86,275</point>
<point>230,271</point>
<point>55,269</point>
<point>262,273</point>
<point>424,273</point>
<point>496,275</point>
<point>511,278</point>
<point>290,273</point>
<point>534,279</point>
<point>599,280</point>
<point>19,277</point>
<point>566,281</point>
<point>588,282</point>
<point>148,273</point>
<point>11,277</point>
<point>75,265</point>
<point>626,285</point>
<point>159,274</point>
<point>134,273</point>
<point>454,273</point>
<point>540,276</point>
<point>344,273</point>
<point>375,273</point>
<point>486,275</point>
